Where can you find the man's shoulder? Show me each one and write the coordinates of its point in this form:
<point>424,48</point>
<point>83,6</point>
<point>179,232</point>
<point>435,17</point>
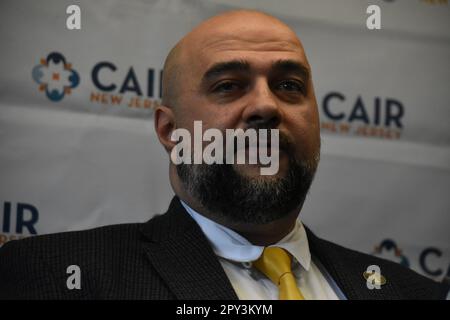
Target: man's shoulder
<point>38,267</point>
<point>99,245</point>
<point>75,240</point>
<point>349,265</point>
<point>84,247</point>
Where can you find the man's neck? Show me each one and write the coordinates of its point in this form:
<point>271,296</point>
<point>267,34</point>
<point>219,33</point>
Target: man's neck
<point>258,234</point>
<point>269,233</point>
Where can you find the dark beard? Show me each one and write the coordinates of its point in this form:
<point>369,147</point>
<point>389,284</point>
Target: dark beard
<point>234,198</point>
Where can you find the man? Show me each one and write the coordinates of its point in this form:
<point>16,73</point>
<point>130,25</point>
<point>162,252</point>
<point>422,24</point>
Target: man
<point>230,232</point>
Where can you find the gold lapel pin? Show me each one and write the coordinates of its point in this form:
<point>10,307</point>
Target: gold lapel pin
<point>374,277</point>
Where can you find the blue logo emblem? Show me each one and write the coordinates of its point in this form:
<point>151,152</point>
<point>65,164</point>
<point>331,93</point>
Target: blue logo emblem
<point>55,76</point>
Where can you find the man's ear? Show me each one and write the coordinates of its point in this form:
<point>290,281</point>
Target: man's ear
<point>164,126</point>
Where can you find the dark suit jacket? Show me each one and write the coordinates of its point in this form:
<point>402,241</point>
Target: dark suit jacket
<point>169,258</point>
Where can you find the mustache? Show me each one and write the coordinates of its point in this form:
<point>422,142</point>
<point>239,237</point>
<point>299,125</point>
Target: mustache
<point>285,142</point>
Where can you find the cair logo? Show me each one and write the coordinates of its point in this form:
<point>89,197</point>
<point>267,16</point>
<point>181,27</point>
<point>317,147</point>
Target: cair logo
<point>112,85</point>
<point>431,260</point>
<point>377,117</point>
<point>389,250</point>
<point>17,221</point>
<point>55,76</point>
<point>123,86</point>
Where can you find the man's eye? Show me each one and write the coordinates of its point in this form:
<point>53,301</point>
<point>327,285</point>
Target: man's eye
<point>291,86</point>
<point>226,87</point>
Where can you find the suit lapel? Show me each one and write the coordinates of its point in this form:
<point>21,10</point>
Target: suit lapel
<point>182,256</point>
<point>346,267</point>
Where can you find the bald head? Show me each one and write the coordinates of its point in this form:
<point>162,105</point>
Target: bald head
<point>170,87</point>
<point>222,32</point>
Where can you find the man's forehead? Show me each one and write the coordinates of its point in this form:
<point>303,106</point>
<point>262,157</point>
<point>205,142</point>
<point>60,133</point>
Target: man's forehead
<point>251,36</point>
<point>257,44</point>
<point>256,56</point>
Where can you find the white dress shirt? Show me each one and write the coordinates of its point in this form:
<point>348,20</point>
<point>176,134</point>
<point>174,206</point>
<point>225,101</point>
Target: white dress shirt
<point>236,254</point>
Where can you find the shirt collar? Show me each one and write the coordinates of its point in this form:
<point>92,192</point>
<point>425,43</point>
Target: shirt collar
<point>229,245</point>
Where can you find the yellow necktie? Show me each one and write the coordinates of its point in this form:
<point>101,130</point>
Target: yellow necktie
<point>275,263</point>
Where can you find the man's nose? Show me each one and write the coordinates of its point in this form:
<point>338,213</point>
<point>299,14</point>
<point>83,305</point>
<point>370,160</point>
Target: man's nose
<point>262,110</point>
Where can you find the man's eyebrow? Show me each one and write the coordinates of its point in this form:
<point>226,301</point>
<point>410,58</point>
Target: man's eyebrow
<point>227,66</point>
<point>292,66</point>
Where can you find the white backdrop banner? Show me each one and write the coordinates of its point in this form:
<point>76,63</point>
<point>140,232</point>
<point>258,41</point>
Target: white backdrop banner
<point>78,148</point>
